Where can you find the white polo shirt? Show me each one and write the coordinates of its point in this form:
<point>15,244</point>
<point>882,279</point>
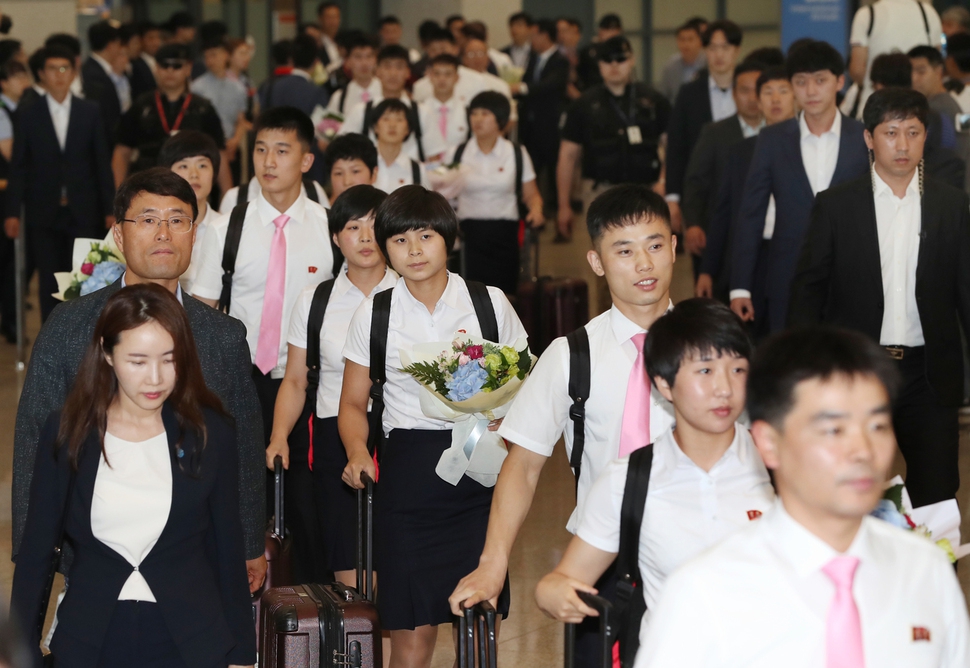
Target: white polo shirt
<point>309,260</point>
<point>344,301</point>
<point>430,138</point>
<point>489,192</point>
<point>399,173</point>
<point>200,229</point>
<point>759,599</point>
<point>410,324</point>
<point>456,120</point>
<point>231,198</point>
<point>688,509</point>
<point>540,412</point>
<point>355,95</point>
<point>470,83</point>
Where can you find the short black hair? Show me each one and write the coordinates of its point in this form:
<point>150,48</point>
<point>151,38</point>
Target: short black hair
<point>127,31</point>
<point>525,17</point>
<point>610,22</point>
<point>145,27</point>
<point>101,34</point>
<point>323,6</point>
<point>547,26</point>
<point>389,19</point>
<point>11,68</point>
<point>696,24</point>
<point>304,51</point>
<point>8,48</point>
<point>354,203</point>
<point>212,31</point>
<point>571,20</point>
<point>771,74</point>
<point>475,30</point>
<point>155,181</point>
<point>894,103</point>
<point>892,69</point>
<point>451,19</point>
<point>173,51</point>
<point>931,53</point>
<point>394,52</point>
<point>811,353</point>
<point>360,40</point>
<point>444,59</point>
<point>65,40</point>
<point>56,51</point>
<point>36,62</point>
<point>390,104</point>
<point>441,35</point>
<point>494,102</point>
<point>286,119</point>
<point>216,43</point>
<point>958,48</point>
<point>745,67</point>
<point>352,146</point>
<point>282,52</point>
<point>767,56</point>
<point>427,30</point>
<point>814,56</point>
<point>180,19</point>
<point>695,326</point>
<point>732,32</point>
<point>189,144</point>
<point>624,205</point>
<point>414,208</point>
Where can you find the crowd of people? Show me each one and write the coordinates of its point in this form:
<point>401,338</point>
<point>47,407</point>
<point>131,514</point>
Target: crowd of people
<point>287,246</point>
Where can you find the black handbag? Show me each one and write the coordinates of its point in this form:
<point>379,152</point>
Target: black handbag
<point>56,558</point>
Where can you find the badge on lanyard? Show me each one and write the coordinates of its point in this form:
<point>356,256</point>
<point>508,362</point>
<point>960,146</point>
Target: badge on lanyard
<point>633,135</point>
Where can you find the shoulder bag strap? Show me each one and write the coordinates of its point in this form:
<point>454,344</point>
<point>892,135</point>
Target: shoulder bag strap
<point>311,190</point>
<point>415,119</point>
<point>233,235</point>
<point>872,20</point>
<point>415,172</point>
<point>343,98</point>
<point>318,308</point>
<point>579,384</point>
<point>484,310</point>
<point>518,179</point>
<point>460,151</point>
<point>380,321</point>
<point>366,125</point>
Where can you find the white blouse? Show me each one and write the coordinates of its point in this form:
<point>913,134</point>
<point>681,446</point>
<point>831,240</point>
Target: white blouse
<point>131,503</point>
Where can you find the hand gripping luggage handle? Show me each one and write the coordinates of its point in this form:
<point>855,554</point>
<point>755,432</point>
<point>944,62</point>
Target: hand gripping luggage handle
<point>605,608</point>
<point>279,527</point>
<point>365,538</point>
<point>484,614</point>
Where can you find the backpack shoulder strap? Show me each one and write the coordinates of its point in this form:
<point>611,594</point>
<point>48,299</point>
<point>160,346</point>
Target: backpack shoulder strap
<point>311,190</point>
<point>484,310</point>
<point>926,22</point>
<point>579,384</point>
<point>343,97</point>
<point>872,19</point>
<point>380,321</point>
<point>518,172</point>
<point>231,249</point>
<point>366,125</point>
<point>415,122</point>
<point>415,172</point>
<point>460,151</point>
<point>318,309</point>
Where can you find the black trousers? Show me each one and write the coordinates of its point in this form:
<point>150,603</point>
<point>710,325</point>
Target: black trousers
<point>266,390</point>
<point>589,640</point>
<point>8,285</point>
<point>928,434</point>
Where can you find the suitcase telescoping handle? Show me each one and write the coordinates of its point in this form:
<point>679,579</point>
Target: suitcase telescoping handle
<point>365,538</point>
<point>484,615</point>
<point>279,527</point>
<point>605,608</point>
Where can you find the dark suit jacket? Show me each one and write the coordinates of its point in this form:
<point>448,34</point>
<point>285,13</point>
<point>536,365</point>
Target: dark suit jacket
<point>839,279</point>
<point>292,90</point>
<point>692,111</point>
<point>195,571</point>
<point>39,169</point>
<point>226,365</point>
<point>541,108</point>
<point>707,163</point>
<point>141,78</point>
<point>777,169</point>
<point>99,88</point>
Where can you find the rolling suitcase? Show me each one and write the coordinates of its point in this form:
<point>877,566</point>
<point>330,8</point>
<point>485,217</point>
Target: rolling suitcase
<point>279,547</point>
<point>326,624</point>
<point>480,617</point>
<point>607,631</point>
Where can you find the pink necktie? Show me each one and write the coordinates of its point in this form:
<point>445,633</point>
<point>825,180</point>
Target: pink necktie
<point>635,431</point>
<point>443,120</point>
<point>843,630</point>
<point>268,348</point>
<point>365,97</point>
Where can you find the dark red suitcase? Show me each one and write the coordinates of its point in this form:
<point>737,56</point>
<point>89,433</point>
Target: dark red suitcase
<point>279,547</point>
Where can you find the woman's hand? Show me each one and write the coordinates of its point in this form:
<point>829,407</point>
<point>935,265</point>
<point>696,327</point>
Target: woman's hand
<point>556,596</point>
<point>360,462</point>
<point>495,424</point>
<point>277,447</point>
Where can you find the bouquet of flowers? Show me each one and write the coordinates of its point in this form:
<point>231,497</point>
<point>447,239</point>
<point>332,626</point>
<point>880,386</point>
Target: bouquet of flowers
<point>96,265</point>
<point>326,123</point>
<point>448,180</point>
<point>469,381</point>
<point>512,74</point>
<point>938,522</point>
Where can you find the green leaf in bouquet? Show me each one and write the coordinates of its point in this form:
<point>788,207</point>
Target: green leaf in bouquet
<point>895,494</point>
<point>525,363</point>
<point>428,373</point>
<point>73,291</point>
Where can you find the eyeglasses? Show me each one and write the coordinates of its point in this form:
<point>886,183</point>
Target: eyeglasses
<point>170,64</point>
<point>148,224</point>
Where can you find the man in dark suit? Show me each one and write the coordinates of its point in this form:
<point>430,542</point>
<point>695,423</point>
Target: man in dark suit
<point>521,26</point>
<point>101,83</point>
<point>60,175</point>
<point>707,98</point>
<point>709,158</point>
<point>888,254</point>
<point>140,74</point>
<point>542,96</point>
<point>158,256</point>
<point>296,89</point>
<point>793,161</point>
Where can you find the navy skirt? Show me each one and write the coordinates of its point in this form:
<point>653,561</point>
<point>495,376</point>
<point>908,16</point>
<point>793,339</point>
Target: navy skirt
<point>428,534</point>
<point>336,501</point>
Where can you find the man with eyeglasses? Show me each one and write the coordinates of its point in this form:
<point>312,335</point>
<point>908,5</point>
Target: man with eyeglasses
<point>60,174</point>
<point>161,113</point>
<point>615,126</point>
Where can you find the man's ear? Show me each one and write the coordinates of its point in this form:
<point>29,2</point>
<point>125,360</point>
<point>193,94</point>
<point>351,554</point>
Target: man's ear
<point>766,439</point>
<point>593,257</point>
<point>119,236</point>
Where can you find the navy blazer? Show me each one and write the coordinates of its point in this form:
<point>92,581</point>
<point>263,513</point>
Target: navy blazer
<point>99,88</point>
<point>692,111</point>
<point>39,169</point>
<point>777,169</point>
<point>292,90</point>
<point>196,570</point>
<point>541,108</point>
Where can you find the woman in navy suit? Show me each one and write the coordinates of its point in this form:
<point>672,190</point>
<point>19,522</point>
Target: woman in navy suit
<point>158,576</point>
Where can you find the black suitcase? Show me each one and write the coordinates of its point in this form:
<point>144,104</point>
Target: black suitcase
<point>607,631</point>
<point>481,618</point>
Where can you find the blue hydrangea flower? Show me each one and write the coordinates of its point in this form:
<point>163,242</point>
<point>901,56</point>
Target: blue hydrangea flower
<point>104,274</point>
<point>886,511</point>
<point>466,382</point>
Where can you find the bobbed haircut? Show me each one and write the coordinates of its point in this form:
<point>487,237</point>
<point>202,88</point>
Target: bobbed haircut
<point>189,144</point>
<point>730,29</point>
<point>154,181</point>
<point>892,69</point>
<point>746,67</point>
<point>931,53</point>
<point>894,104</point>
<point>814,56</point>
<point>494,102</point>
<point>101,34</point>
<point>355,203</point>
<point>394,52</point>
<point>772,74</point>
<point>414,208</point>
<point>694,327</point>
<point>767,56</point>
<point>304,51</point>
<point>352,146</point>
<point>389,105</point>
<point>811,353</point>
<point>286,119</point>
<point>624,205</point>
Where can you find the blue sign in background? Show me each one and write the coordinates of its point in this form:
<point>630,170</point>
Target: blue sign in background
<point>826,20</point>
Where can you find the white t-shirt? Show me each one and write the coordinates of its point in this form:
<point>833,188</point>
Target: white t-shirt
<point>539,415</point>
<point>399,173</point>
<point>231,198</point>
<point>344,301</point>
<point>200,229</point>
<point>688,509</point>
<point>410,324</point>
<point>489,191</point>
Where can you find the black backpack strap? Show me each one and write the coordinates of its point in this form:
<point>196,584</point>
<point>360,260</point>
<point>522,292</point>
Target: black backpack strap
<point>460,151</point>
<point>484,310</point>
<point>367,109</point>
<point>242,195</point>
<point>380,321</point>
<point>926,23</point>
<point>872,19</point>
<point>311,190</point>
<point>318,308</point>
<point>343,98</point>
<point>579,384</point>
<point>415,172</point>
<point>517,147</point>
<point>414,121</point>
<point>229,252</point>
<point>631,604</point>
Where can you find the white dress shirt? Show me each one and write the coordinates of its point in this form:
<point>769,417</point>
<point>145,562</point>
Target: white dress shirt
<point>499,59</point>
<point>539,415</point>
<point>201,226</point>
<point>309,260</point>
<point>759,599</point>
<point>131,503</point>
<point>820,153</point>
<point>119,81</point>
<point>456,121</point>
<point>231,198</point>
<point>688,509</point>
<point>344,301</point>
<point>411,324</point>
<point>398,173</point>
<point>332,52</point>
<point>355,95</point>
<point>898,223</point>
<point>722,100</point>
<point>430,137</point>
<point>489,191</point>
<point>470,83</point>
<point>520,54</point>
<point>61,116</point>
